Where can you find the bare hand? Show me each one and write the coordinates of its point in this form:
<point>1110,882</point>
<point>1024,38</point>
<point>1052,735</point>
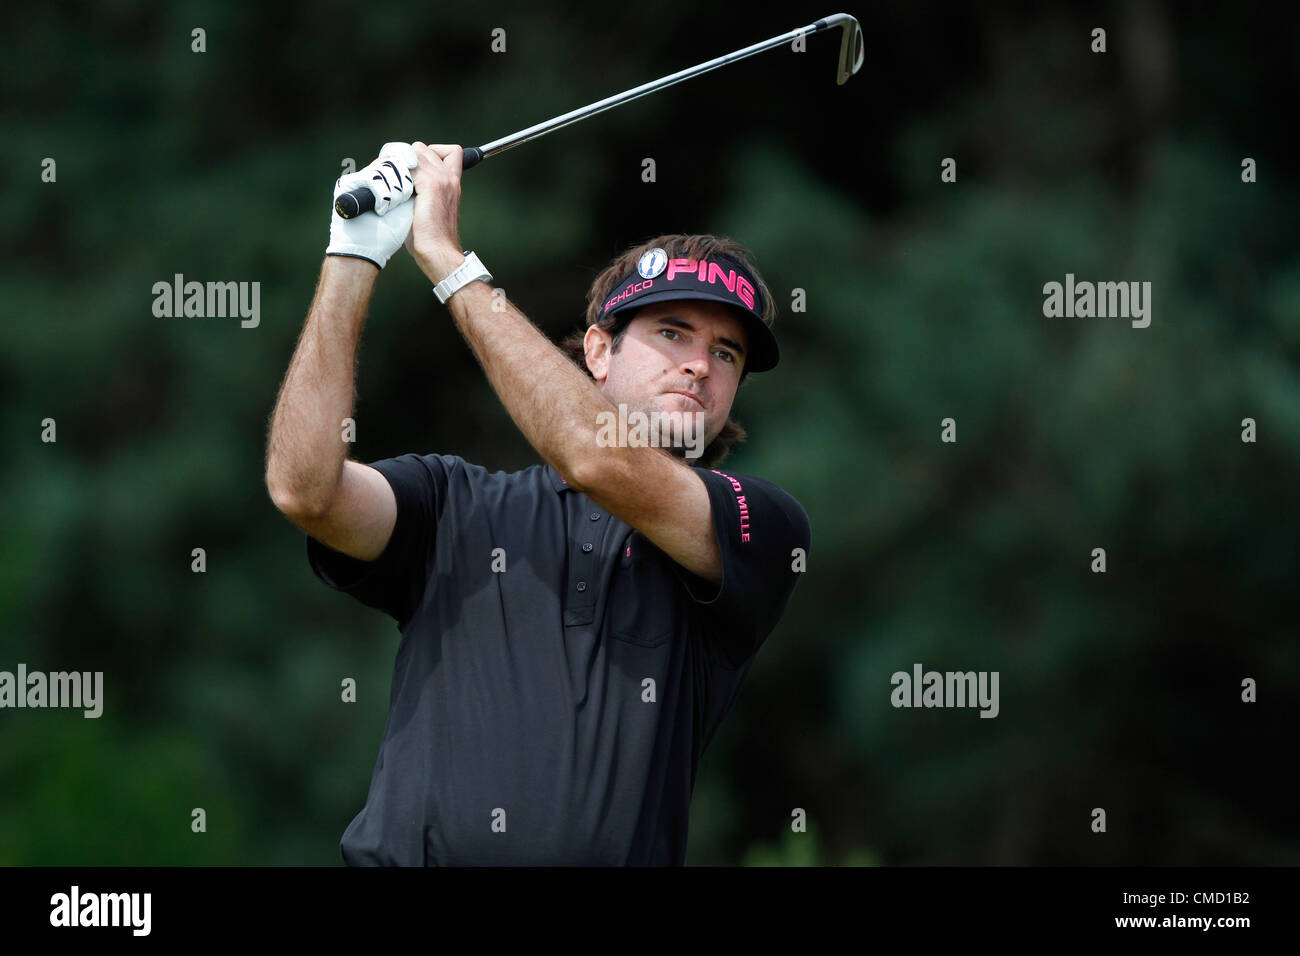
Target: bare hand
<point>434,240</point>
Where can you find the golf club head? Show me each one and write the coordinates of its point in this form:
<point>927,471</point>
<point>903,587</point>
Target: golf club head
<point>852,48</point>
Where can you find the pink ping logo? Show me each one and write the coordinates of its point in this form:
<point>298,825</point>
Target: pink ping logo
<point>711,272</point>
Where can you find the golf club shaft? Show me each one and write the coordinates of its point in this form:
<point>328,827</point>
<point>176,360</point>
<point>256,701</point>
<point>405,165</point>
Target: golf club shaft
<point>362,199</point>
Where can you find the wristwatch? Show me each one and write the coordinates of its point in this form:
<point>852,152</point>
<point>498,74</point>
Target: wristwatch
<point>471,270</point>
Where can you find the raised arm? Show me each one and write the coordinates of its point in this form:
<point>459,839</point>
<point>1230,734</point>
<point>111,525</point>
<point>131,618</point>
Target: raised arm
<point>347,505</point>
<point>554,404</point>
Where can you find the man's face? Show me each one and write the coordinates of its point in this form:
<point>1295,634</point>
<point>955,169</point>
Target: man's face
<point>687,346</point>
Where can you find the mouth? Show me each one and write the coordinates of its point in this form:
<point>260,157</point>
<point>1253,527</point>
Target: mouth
<point>691,396</point>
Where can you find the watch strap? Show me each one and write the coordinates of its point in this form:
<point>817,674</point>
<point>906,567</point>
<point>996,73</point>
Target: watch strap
<point>471,270</point>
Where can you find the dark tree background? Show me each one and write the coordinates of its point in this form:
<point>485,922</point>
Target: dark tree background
<point>1119,690</point>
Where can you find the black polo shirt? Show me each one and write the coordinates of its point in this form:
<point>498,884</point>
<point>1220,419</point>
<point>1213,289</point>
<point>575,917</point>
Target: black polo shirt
<point>558,676</point>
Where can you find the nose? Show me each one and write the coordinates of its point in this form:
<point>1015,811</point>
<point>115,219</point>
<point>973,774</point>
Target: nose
<point>697,363</point>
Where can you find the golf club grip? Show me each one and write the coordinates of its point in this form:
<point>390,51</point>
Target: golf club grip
<point>353,203</point>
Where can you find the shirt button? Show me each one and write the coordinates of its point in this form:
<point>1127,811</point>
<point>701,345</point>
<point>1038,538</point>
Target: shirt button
<point>582,585</point>
<point>595,516</point>
<point>586,547</point>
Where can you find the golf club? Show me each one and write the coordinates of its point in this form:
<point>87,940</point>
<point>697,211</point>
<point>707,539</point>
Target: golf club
<point>361,199</point>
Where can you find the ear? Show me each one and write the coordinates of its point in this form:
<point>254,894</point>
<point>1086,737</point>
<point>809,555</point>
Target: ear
<point>596,345</point>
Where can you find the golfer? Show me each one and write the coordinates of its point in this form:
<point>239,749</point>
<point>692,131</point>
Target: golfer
<point>572,633</point>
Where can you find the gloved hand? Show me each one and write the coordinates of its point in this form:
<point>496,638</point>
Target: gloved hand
<point>377,235</point>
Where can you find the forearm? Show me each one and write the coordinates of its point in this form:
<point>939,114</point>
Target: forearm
<point>305,447</point>
<point>553,402</point>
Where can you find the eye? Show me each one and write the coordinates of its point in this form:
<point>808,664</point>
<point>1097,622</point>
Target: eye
<point>669,331</point>
<point>727,356</point>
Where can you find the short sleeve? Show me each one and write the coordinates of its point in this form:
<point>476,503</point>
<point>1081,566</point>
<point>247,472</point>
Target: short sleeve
<point>758,526</point>
<point>395,581</point>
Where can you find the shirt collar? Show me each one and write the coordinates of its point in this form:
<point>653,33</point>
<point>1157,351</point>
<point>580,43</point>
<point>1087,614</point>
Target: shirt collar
<point>557,481</point>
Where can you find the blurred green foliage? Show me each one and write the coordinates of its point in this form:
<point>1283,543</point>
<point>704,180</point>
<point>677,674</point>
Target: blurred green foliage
<point>924,302</point>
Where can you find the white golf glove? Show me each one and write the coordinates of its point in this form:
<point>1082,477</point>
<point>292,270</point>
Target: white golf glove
<point>377,235</point>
